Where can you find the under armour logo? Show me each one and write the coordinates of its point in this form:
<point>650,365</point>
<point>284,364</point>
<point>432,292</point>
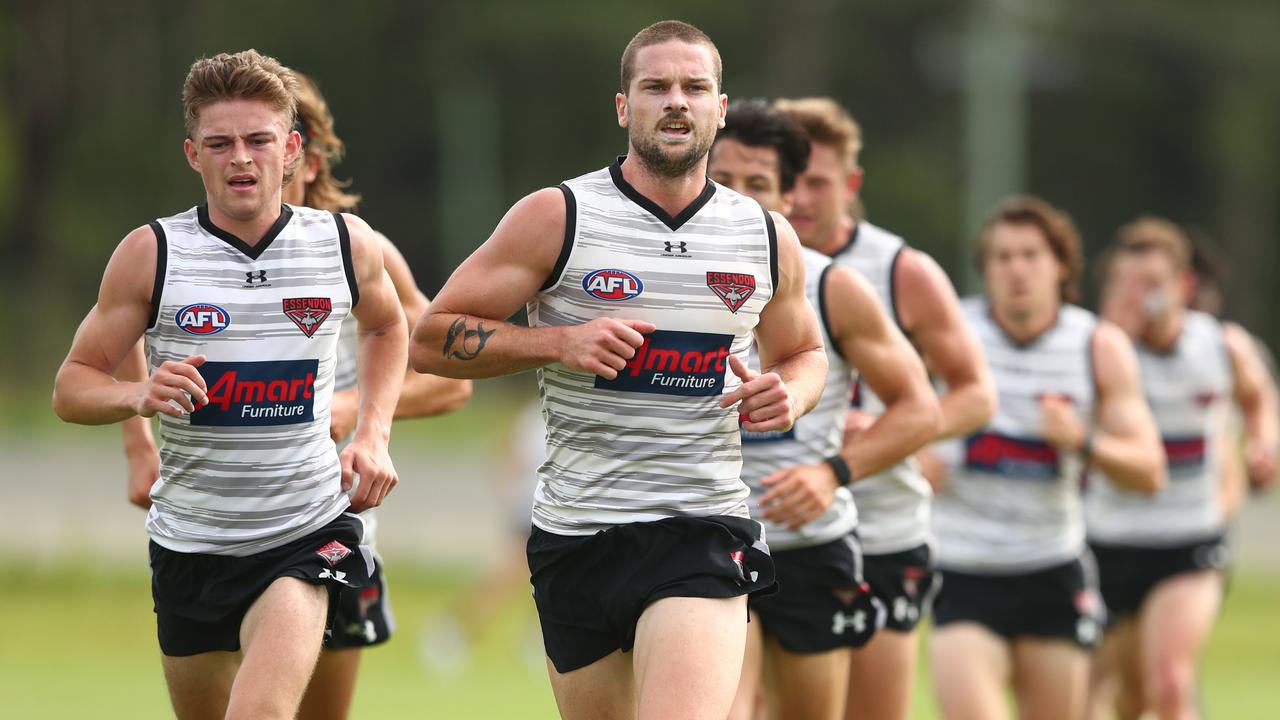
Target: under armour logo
<point>841,622</point>
<point>676,247</point>
<point>340,576</point>
<point>255,277</point>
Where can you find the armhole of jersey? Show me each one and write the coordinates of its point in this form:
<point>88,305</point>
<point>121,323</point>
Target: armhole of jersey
<point>344,244</point>
<point>893,289</point>
<point>773,249</point>
<point>822,310</point>
<point>162,263</point>
<point>566,245</point>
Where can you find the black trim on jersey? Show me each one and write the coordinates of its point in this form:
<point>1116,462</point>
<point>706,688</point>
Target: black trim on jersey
<point>822,310</point>
<point>566,246</point>
<point>893,288</point>
<point>1088,363</point>
<point>344,243</point>
<point>286,214</point>
<point>848,244</point>
<point>162,265</point>
<point>615,171</point>
<point>773,249</point>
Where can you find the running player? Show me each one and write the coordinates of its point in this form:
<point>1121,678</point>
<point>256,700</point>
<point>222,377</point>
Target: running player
<point>1018,603</point>
<point>1161,558</point>
<point>893,504</point>
<point>250,541</point>
<point>646,283</point>
<point>362,619</point>
<point>800,479</point>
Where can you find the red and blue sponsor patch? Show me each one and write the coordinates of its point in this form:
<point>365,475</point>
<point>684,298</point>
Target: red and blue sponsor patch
<point>1186,455</point>
<point>270,392</point>
<point>673,362</point>
<point>202,319</point>
<point>1012,456</point>
<point>612,285</point>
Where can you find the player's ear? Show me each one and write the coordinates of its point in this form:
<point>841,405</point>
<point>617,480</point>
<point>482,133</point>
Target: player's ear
<point>292,146</point>
<point>724,110</point>
<point>788,202</point>
<point>189,149</point>
<point>620,104</point>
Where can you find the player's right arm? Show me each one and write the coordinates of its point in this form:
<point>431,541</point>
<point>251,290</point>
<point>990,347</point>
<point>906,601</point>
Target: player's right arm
<point>464,333</point>
<point>84,391</point>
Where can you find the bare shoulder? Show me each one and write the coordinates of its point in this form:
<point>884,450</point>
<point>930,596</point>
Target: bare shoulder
<point>132,268</point>
<point>922,289</point>
<point>1115,362</point>
<point>533,230</point>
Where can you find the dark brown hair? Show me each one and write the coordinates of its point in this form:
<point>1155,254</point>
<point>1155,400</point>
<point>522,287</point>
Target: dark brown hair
<point>1058,230</point>
<point>661,32</point>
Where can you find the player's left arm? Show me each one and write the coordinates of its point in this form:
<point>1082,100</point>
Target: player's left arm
<point>140,450</point>
<point>1126,445</point>
<point>422,394</point>
<point>792,358</point>
<point>382,354</point>
<point>1255,393</point>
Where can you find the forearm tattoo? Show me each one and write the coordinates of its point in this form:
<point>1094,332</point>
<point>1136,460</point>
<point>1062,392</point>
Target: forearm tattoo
<point>470,342</point>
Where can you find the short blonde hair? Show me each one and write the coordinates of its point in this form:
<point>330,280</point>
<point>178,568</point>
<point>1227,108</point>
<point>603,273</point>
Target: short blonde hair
<point>1155,234</point>
<point>826,123</point>
<point>665,31</point>
<point>246,75</point>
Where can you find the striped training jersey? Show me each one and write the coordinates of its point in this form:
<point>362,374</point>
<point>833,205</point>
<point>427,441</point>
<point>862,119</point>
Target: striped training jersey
<point>254,468</point>
<point>815,436</point>
<point>1012,501</point>
<point>654,442</point>
<point>893,504</point>
<point>1189,391</point>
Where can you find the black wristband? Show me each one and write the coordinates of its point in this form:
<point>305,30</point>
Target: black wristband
<point>841,468</point>
<point>1086,448</point>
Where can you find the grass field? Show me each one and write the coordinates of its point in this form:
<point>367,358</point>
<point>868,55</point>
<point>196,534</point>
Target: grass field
<point>78,642</point>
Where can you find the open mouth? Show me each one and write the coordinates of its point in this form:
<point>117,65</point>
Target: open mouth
<point>676,130</point>
<point>242,182</point>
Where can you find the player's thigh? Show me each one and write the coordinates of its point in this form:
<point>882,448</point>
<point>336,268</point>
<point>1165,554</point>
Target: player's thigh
<point>805,686</point>
<point>1115,674</point>
<point>1176,621</point>
<point>688,656</point>
<point>1051,678</point>
<point>747,700</point>
<point>200,685</point>
<point>605,689</point>
<point>971,667</point>
<point>882,676</point>
<point>281,635</point>
<point>332,685</point>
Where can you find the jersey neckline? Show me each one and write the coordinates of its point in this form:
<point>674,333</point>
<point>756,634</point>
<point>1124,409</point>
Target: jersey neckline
<point>253,252</point>
<point>672,222</point>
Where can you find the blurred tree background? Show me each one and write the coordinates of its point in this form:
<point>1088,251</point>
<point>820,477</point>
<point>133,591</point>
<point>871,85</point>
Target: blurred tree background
<point>453,110</point>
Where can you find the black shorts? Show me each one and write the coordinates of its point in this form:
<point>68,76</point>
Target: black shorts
<point>200,599</point>
<point>822,603</point>
<point>905,582</point>
<point>362,618</point>
<point>1128,573</point>
<point>591,589</point>
<point>1057,602</point>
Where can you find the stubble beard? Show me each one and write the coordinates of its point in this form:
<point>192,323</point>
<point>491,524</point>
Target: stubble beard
<point>651,155</point>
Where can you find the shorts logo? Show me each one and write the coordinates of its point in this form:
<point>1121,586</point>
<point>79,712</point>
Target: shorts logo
<point>334,552</point>
<point>739,558</point>
<point>202,319</point>
<point>848,595</point>
<point>733,288</point>
<point>672,362</point>
<point>612,285</point>
<point>271,392</point>
<point>1005,455</point>
<point>308,313</point>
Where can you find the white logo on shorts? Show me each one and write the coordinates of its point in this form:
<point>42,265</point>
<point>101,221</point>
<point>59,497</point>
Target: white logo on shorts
<point>841,622</point>
<point>340,576</point>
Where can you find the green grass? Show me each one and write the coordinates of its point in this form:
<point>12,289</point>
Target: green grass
<point>79,642</point>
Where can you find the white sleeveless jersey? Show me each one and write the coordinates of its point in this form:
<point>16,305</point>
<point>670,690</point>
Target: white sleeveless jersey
<point>654,442</point>
<point>1012,502</point>
<point>1189,390</point>
<point>815,437</point>
<point>893,504</point>
<point>254,468</point>
<point>345,375</point>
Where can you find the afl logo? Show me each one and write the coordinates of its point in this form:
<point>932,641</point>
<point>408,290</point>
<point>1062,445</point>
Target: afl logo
<point>202,319</point>
<point>612,285</point>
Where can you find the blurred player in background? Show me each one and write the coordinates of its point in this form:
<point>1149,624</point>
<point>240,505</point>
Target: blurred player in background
<point>800,478</point>
<point>1161,558</point>
<point>1018,605</point>
<point>362,619</point>
<point>893,504</point>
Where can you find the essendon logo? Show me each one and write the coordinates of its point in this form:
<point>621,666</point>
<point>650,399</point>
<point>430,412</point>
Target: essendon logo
<point>612,285</point>
<point>1185,455</point>
<point>1016,457</point>
<point>733,288</point>
<point>739,558</point>
<point>671,362</point>
<point>202,319</point>
<point>272,392</point>
<point>308,313</point>
<point>334,552</point>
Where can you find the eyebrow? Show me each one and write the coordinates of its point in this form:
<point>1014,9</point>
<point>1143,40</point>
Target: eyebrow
<point>687,79</point>
<point>224,136</point>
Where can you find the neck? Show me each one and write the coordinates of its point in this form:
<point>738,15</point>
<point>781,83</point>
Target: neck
<point>251,229</point>
<point>1025,327</point>
<point>838,238</point>
<point>1161,335</point>
<point>672,194</point>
